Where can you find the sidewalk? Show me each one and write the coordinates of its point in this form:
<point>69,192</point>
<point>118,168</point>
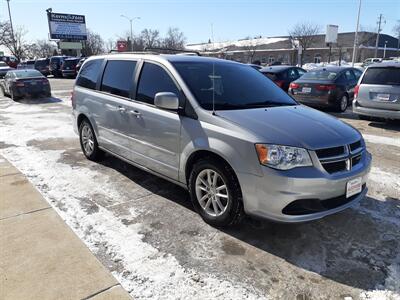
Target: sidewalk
<point>40,256</point>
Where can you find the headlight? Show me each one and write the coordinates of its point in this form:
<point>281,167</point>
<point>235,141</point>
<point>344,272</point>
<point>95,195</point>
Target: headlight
<point>282,157</point>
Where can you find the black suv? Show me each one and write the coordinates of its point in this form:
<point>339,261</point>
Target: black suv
<point>55,65</point>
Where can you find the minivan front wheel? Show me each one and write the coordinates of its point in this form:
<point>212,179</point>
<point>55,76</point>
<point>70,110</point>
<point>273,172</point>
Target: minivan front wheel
<point>215,193</point>
<point>88,141</point>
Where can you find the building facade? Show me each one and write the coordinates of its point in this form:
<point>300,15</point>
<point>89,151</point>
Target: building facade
<point>281,49</point>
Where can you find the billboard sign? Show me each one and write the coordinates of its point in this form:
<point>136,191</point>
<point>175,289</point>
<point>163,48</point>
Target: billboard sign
<point>122,46</point>
<point>331,34</point>
<point>67,26</point>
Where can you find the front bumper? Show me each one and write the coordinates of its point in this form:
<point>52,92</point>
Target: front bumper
<point>375,112</point>
<point>268,195</point>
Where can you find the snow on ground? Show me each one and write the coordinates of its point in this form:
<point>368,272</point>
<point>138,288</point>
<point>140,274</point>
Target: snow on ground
<point>146,273</point>
<point>382,140</point>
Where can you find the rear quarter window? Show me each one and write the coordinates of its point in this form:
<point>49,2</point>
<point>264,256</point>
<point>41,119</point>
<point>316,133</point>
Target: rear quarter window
<point>89,73</point>
<point>382,76</point>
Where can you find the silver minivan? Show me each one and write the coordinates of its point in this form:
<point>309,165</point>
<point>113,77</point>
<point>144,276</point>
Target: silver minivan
<point>378,92</point>
<point>224,131</point>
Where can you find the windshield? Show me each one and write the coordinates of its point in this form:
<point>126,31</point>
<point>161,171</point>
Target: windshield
<point>26,74</point>
<point>41,63</point>
<point>232,86</point>
<point>384,76</point>
<point>320,75</point>
<point>70,62</point>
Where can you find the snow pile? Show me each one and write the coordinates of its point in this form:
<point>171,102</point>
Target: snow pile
<point>375,139</point>
<point>237,43</point>
<point>146,272</point>
<point>311,66</point>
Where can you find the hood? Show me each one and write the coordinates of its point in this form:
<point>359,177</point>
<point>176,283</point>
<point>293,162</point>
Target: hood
<point>297,126</point>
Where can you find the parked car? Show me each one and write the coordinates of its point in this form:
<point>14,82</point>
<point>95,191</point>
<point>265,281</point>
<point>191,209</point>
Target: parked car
<point>28,64</point>
<point>378,92</point>
<point>20,83</point>
<point>254,66</point>
<point>224,131</point>
<point>12,61</point>
<point>331,87</point>
<point>4,68</point>
<point>55,65</point>
<point>80,63</point>
<point>68,68</point>
<point>283,75</point>
<point>43,66</point>
<point>370,61</point>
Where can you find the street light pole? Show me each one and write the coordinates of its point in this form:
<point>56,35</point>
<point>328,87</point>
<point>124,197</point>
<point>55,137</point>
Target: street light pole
<point>384,50</point>
<point>11,24</point>
<point>356,35</point>
<point>131,22</point>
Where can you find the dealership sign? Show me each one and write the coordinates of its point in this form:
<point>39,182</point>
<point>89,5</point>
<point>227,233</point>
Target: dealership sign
<point>67,26</point>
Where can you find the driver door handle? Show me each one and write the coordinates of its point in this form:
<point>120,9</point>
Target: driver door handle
<point>135,113</point>
<point>121,109</point>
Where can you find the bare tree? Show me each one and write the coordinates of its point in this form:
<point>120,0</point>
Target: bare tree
<point>175,39</point>
<point>150,38</point>
<point>304,35</point>
<point>250,46</point>
<point>16,46</point>
<point>41,48</point>
<point>94,44</point>
<point>110,45</point>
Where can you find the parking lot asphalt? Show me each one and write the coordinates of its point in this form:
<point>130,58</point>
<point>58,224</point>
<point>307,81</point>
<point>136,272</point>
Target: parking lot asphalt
<point>144,229</point>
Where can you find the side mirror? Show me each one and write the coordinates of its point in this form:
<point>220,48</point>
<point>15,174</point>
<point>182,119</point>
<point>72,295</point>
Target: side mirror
<point>166,100</point>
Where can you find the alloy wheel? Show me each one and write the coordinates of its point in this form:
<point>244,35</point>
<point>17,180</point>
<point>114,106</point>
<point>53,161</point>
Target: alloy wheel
<point>211,192</point>
<point>87,139</point>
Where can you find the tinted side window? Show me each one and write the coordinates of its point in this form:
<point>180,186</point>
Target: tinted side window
<point>89,74</point>
<point>118,77</point>
<point>292,74</point>
<point>349,75</point>
<point>357,73</point>
<point>154,79</point>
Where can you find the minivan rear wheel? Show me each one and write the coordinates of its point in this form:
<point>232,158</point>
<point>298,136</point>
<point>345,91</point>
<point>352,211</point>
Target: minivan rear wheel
<point>215,192</point>
<point>88,141</point>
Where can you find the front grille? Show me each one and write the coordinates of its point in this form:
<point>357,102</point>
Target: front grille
<point>328,152</point>
<point>355,146</point>
<point>334,167</point>
<point>341,158</point>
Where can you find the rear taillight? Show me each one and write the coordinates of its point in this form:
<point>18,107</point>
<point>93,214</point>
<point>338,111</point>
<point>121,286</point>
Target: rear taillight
<point>279,83</point>
<point>356,88</point>
<point>73,99</point>
<point>294,85</point>
<point>325,87</point>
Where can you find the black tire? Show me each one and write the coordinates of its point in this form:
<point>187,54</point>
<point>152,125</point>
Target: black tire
<point>96,154</point>
<point>13,97</point>
<point>234,208</point>
<point>340,103</point>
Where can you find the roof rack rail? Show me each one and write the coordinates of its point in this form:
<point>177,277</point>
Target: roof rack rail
<point>132,52</point>
<point>169,50</point>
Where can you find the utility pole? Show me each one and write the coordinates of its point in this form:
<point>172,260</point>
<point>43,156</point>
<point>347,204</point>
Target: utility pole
<point>356,35</point>
<point>131,22</point>
<point>377,35</point>
<point>11,24</point>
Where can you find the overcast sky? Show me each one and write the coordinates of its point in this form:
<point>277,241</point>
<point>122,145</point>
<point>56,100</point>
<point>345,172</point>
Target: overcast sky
<point>231,19</point>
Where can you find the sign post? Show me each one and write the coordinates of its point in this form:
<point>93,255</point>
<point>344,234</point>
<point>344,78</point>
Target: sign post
<point>331,38</point>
